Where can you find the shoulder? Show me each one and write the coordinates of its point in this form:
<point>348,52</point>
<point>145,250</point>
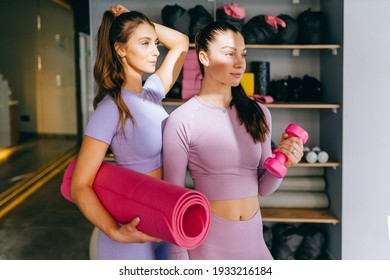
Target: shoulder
<point>186,110</point>
<point>106,104</point>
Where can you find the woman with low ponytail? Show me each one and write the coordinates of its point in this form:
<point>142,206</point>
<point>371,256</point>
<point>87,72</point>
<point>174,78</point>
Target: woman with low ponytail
<point>223,137</point>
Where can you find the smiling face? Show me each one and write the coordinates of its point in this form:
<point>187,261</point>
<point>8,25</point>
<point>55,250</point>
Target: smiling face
<point>224,60</point>
<point>140,52</point>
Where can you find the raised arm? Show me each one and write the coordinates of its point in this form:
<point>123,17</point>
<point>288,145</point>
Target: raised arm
<point>177,44</point>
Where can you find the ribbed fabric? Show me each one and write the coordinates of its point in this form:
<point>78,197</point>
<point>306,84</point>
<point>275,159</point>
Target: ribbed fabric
<point>233,240</point>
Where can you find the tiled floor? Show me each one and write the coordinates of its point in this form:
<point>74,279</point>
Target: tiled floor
<point>44,226</point>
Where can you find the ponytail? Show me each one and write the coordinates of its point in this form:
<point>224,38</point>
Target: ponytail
<point>250,114</point>
<point>108,70</point>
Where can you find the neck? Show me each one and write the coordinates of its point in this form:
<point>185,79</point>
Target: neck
<point>219,95</point>
<point>133,80</point>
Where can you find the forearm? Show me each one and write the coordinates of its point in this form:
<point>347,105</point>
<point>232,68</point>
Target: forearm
<point>91,207</point>
<point>171,38</point>
<point>268,183</point>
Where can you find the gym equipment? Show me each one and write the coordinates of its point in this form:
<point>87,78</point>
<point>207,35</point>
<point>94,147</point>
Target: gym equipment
<point>322,156</point>
<point>310,156</point>
<point>276,164</point>
<point>170,212</point>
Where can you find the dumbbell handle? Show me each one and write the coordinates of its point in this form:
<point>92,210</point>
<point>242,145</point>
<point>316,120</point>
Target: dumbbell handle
<point>276,164</point>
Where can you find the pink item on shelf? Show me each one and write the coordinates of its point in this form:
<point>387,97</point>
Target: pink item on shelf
<point>173,213</point>
<point>233,10</point>
<point>191,64</point>
<point>275,21</point>
<point>264,99</point>
<point>188,93</point>
<point>192,74</point>
<point>191,83</point>
<point>191,55</point>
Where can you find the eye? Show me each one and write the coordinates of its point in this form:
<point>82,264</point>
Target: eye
<point>229,54</point>
<point>145,43</point>
<point>244,55</point>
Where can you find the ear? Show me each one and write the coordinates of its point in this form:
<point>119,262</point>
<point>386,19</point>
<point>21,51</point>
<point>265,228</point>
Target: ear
<point>119,48</point>
<point>204,58</point>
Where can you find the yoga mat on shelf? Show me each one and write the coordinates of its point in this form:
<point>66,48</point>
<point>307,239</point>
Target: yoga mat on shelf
<point>302,184</point>
<point>285,199</point>
<point>173,213</point>
<point>305,171</point>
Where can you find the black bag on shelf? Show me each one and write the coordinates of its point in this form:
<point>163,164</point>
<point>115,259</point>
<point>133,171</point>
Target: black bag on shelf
<point>258,31</point>
<point>312,246</point>
<point>267,234</point>
<point>312,27</point>
<point>288,34</point>
<point>295,89</point>
<point>199,17</point>
<point>278,89</point>
<point>176,17</point>
<point>221,15</point>
<point>286,240</point>
<point>312,89</point>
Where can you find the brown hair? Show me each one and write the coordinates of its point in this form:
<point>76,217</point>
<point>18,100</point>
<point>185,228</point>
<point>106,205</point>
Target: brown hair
<point>108,70</point>
<point>249,112</point>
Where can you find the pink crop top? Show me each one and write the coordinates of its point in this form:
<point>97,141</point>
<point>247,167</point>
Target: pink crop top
<point>223,160</point>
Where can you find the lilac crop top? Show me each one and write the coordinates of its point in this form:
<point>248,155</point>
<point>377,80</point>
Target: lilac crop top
<point>223,160</point>
<point>140,149</point>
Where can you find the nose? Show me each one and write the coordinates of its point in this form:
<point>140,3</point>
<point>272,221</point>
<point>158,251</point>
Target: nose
<point>240,62</point>
<point>155,51</point>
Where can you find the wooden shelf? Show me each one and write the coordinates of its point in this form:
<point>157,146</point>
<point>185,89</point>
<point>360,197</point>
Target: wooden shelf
<point>298,215</point>
<point>326,164</point>
<point>276,105</point>
<point>290,47</point>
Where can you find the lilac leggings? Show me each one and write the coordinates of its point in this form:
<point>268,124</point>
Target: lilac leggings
<point>233,240</point>
<point>102,247</point>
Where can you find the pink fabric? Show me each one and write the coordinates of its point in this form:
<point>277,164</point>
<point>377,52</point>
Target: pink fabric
<point>263,99</point>
<point>275,21</point>
<point>234,10</point>
<point>178,215</point>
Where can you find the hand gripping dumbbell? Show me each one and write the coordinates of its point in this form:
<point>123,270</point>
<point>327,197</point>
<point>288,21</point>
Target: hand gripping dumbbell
<point>276,164</point>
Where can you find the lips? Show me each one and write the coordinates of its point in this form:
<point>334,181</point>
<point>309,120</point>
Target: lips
<point>236,75</point>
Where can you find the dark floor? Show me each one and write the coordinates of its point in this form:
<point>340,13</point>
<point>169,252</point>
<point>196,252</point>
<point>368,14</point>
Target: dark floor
<point>44,226</point>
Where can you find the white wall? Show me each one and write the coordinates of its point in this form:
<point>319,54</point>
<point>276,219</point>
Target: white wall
<point>366,129</point>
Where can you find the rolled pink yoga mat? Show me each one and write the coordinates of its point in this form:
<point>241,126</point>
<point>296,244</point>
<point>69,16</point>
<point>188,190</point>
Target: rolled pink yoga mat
<point>173,213</point>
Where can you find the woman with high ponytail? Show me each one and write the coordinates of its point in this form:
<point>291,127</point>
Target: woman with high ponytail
<point>223,137</point>
<point>128,119</point>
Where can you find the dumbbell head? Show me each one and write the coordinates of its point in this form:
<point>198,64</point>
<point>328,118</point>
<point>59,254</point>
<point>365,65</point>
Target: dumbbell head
<point>297,131</point>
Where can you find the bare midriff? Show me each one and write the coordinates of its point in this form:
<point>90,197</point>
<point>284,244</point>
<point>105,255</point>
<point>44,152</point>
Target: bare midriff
<point>157,173</point>
<point>236,209</point>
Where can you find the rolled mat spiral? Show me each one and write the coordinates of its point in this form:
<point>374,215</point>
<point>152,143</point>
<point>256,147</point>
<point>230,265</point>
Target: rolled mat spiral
<point>170,212</point>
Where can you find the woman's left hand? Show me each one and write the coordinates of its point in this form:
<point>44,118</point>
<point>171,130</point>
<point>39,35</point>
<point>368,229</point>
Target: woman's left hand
<point>292,147</point>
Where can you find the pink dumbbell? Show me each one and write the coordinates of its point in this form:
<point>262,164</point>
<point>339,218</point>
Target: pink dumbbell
<point>276,164</point>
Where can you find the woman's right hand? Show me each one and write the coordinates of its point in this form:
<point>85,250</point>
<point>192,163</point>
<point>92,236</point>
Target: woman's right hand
<point>128,233</point>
